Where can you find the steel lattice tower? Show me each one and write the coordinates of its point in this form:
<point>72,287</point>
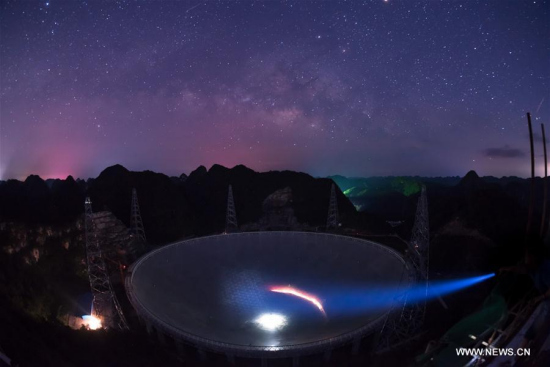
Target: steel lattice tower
<point>231,215</point>
<point>419,245</point>
<point>136,223</point>
<point>105,304</point>
<point>332,218</point>
<point>402,325</point>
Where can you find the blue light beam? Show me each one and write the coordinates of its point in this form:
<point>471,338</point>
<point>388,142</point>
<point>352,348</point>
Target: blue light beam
<point>375,298</point>
<point>342,300</point>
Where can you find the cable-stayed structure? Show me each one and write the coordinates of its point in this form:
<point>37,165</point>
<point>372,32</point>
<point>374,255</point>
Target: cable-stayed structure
<point>403,324</point>
<point>332,217</point>
<point>231,224</point>
<point>136,224</point>
<point>105,305</point>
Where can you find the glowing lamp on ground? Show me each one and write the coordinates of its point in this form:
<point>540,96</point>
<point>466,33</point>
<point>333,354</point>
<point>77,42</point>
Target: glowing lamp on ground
<point>92,322</point>
<point>271,321</point>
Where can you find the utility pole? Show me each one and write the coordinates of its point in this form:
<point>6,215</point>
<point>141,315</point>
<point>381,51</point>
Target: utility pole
<point>532,193</point>
<point>545,194</point>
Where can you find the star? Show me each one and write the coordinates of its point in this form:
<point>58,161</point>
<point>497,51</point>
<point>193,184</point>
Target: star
<point>184,79</point>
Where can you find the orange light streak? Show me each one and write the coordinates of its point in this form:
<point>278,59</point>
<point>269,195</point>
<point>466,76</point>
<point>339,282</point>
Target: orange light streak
<point>303,295</point>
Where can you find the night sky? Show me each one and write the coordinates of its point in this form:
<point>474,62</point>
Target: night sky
<point>355,88</point>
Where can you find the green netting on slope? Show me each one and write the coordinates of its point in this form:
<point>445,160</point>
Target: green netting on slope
<point>492,313</point>
<point>479,324</point>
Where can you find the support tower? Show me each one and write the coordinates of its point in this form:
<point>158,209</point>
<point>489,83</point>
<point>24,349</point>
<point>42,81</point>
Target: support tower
<point>406,322</point>
<point>332,218</point>
<point>105,305</point>
<point>135,219</point>
<point>231,216</point>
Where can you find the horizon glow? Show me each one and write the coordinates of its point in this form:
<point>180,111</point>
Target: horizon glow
<point>359,89</point>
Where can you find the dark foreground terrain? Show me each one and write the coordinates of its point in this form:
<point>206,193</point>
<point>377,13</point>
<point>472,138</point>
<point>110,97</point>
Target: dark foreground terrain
<point>477,225</point>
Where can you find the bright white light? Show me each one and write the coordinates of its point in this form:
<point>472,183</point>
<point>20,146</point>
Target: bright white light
<point>92,322</point>
<point>271,321</point>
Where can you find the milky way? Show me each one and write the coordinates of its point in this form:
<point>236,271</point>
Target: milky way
<point>326,87</point>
